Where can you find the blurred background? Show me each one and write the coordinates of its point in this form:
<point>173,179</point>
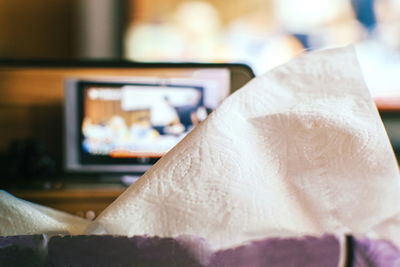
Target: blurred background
<point>260,33</point>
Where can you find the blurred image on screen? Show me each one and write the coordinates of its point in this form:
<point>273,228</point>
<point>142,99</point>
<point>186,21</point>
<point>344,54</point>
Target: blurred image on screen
<point>139,120</point>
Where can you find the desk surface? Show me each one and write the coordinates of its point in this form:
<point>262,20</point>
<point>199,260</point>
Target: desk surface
<point>78,199</point>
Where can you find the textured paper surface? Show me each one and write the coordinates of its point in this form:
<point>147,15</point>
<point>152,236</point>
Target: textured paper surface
<point>20,217</point>
<point>299,150</point>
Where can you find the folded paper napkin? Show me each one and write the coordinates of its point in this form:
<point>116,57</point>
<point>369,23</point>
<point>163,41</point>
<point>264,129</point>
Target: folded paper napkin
<point>299,150</point>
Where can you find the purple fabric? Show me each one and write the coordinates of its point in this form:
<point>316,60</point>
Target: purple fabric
<point>375,253</point>
<point>154,251</point>
<point>308,251</point>
<point>118,251</point>
<point>41,250</point>
<point>27,250</point>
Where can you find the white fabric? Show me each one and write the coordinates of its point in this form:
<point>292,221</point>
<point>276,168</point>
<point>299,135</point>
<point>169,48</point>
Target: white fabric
<point>20,217</point>
<point>300,150</point>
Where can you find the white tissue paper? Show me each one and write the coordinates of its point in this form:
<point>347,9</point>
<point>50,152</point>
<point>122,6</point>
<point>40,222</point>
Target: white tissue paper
<point>299,150</point>
<point>20,217</point>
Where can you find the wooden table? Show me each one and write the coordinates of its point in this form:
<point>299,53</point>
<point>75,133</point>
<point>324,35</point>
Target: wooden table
<point>82,201</point>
